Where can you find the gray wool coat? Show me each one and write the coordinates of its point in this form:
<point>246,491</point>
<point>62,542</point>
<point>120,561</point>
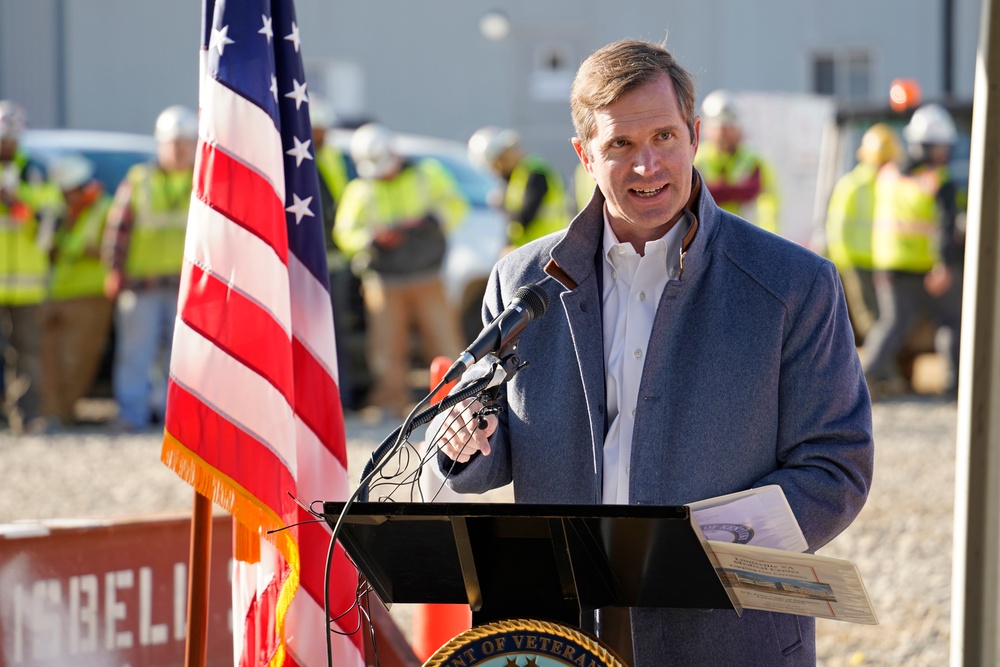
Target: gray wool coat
<point>751,378</point>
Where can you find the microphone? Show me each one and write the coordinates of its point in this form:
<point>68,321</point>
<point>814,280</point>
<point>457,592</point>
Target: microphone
<point>529,303</point>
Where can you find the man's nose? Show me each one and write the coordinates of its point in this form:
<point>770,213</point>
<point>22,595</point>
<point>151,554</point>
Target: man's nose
<point>647,161</point>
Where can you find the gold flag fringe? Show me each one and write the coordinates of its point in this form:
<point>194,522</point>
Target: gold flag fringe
<point>253,520</point>
<point>246,544</point>
<point>253,517</point>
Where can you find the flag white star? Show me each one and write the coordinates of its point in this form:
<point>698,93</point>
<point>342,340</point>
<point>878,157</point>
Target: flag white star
<point>294,37</point>
<point>300,207</point>
<point>220,39</point>
<point>267,30</point>
<point>298,94</point>
<point>274,87</point>
<point>301,151</point>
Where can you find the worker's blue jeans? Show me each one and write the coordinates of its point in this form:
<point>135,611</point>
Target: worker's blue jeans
<point>144,329</point>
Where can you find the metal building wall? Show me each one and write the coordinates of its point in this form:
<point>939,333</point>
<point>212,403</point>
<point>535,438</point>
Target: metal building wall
<point>30,58</point>
<point>424,66</point>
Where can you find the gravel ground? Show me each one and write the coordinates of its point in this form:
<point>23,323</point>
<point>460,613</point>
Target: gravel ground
<point>901,541</point>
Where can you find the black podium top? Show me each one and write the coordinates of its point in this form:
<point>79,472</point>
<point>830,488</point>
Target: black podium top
<point>541,561</point>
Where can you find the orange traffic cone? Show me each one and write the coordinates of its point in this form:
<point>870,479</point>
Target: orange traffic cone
<point>435,624</point>
<point>439,367</point>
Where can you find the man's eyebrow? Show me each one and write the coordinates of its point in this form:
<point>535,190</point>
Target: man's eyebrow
<point>672,128</point>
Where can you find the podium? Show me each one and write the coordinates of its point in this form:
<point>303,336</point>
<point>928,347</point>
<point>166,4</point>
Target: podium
<point>553,562</point>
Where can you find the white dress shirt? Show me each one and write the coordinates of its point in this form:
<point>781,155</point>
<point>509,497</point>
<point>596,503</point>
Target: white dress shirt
<point>633,285</point>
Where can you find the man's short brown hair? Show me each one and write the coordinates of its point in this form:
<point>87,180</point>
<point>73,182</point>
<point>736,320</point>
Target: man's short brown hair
<point>619,68</point>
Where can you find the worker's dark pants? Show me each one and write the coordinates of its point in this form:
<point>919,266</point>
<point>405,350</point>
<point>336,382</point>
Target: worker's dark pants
<point>902,298</point>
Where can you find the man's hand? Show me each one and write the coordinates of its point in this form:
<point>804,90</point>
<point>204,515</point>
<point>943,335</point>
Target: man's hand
<point>462,434</point>
<point>938,280</point>
<point>388,238</point>
<point>113,285</point>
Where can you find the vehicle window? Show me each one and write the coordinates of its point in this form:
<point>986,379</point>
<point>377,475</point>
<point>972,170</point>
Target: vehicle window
<point>474,185</point>
<point>109,167</point>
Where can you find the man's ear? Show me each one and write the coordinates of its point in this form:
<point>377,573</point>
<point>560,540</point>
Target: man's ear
<point>582,154</point>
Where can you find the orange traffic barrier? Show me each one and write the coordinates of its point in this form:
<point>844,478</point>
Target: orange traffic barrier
<point>436,624</point>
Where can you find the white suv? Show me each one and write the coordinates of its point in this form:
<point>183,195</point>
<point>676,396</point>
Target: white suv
<point>112,153</point>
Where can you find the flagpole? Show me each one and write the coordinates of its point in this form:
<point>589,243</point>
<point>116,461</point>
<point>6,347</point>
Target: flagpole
<point>196,646</point>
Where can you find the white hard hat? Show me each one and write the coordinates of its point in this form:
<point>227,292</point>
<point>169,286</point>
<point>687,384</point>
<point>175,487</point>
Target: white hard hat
<point>372,150</point>
<point>931,124</point>
<point>71,171</point>
<point>718,106</point>
<point>13,119</point>
<point>176,122</point>
<point>487,144</point>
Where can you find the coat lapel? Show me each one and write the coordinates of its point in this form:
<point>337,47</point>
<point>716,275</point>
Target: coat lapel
<point>573,265</point>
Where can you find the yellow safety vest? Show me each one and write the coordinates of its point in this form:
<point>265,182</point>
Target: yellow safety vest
<point>715,165</point>
<point>333,173</point>
<point>905,226</point>
<point>552,214</point>
<point>332,169</point>
<point>849,219</point>
<point>160,202</point>
<point>418,190</point>
<point>24,257</point>
<point>78,270</point>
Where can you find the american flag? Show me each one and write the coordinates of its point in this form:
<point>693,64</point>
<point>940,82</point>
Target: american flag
<point>253,411</point>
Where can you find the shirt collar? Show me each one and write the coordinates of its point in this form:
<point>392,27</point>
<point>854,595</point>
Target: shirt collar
<point>672,240</point>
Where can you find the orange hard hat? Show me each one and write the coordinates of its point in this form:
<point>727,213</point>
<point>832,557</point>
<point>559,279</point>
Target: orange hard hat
<point>904,94</point>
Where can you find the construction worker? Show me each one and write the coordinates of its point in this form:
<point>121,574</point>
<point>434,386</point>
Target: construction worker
<point>348,317</point>
<point>144,250</point>
<point>332,171</point>
<point>740,180</point>
<point>535,198</point>
<point>916,251</point>
<point>28,206</point>
<point>77,317</point>
<point>392,223</point>
<point>849,224</point>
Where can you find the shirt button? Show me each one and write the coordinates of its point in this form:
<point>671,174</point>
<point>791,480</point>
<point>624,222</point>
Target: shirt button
<point>621,250</point>
<point>633,413</point>
<point>673,273</point>
<point>614,274</point>
<point>637,354</point>
<point>642,296</point>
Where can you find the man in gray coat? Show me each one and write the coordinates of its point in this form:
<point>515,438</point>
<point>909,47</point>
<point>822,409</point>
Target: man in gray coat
<point>685,354</point>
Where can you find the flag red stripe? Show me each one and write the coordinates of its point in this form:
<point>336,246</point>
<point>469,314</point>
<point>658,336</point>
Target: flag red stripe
<point>261,642</point>
<point>317,401</point>
<point>342,574</point>
<point>226,447</point>
<point>236,325</point>
<point>242,196</point>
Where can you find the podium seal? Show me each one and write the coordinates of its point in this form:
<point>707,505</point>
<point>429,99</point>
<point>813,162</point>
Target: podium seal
<point>524,642</point>
<point>736,533</point>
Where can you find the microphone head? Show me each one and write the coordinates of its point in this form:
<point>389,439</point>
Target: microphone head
<point>534,298</point>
